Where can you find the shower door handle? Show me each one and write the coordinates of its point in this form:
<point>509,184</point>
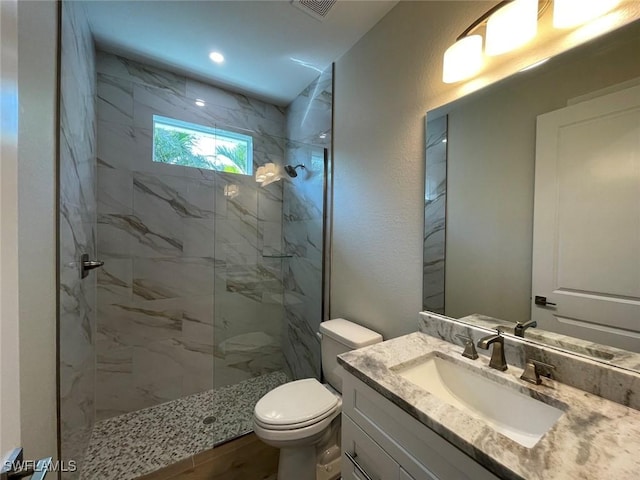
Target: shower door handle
<point>86,265</point>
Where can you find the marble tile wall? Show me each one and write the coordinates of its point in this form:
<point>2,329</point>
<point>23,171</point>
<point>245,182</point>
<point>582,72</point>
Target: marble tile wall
<point>308,133</point>
<point>435,204</point>
<point>186,300</point>
<point>77,190</point>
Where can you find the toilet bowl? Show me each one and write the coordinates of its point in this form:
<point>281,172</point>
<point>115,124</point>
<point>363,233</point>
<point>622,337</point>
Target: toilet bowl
<point>302,418</point>
<point>297,418</point>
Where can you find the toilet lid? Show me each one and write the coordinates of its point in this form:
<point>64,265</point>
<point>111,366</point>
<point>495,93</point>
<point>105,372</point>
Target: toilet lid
<point>295,403</point>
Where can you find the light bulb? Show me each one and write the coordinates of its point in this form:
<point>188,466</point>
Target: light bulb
<point>512,26</point>
<point>463,59</point>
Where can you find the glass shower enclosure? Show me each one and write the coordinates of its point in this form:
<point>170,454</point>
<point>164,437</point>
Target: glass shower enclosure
<point>211,291</point>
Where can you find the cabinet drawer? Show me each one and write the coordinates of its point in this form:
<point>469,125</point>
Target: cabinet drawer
<point>366,453</point>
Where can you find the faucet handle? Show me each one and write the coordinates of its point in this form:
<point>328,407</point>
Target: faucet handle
<point>534,369</point>
<point>469,347</point>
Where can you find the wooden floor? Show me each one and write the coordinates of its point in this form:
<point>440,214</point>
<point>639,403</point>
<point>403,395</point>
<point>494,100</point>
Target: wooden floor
<point>245,458</point>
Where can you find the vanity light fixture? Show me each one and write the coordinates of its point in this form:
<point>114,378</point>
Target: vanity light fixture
<point>570,13</point>
<point>511,24</point>
<point>508,25</point>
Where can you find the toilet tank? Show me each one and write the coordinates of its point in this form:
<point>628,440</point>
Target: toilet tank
<point>340,336</point>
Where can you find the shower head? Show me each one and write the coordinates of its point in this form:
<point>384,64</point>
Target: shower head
<point>291,171</point>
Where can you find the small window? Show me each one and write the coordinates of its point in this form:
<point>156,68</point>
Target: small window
<point>198,146</point>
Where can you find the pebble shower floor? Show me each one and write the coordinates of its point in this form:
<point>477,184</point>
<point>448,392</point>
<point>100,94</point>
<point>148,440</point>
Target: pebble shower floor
<point>137,443</point>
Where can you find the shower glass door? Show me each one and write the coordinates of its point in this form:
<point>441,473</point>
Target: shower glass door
<point>211,289</point>
<point>268,280</point>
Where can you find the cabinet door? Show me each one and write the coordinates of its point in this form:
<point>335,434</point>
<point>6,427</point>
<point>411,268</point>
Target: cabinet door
<point>367,457</point>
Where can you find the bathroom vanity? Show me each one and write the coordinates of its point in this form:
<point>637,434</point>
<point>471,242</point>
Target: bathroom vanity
<point>385,442</point>
<point>397,424</point>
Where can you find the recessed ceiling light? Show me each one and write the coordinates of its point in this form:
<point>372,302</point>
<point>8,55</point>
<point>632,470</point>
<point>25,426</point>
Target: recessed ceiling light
<point>200,103</point>
<point>216,57</point>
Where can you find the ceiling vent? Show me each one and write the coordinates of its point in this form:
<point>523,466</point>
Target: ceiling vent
<point>318,9</point>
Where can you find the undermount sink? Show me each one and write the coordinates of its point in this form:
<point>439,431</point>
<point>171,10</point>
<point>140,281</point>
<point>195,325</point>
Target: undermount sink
<point>508,411</point>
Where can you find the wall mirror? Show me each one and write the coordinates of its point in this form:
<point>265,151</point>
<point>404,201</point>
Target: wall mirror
<point>532,202</point>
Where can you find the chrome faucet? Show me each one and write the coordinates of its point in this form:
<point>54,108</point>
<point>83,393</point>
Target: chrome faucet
<point>497,356</point>
<point>521,327</point>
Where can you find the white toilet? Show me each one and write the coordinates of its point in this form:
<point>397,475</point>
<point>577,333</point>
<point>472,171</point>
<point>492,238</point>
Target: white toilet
<point>302,418</point>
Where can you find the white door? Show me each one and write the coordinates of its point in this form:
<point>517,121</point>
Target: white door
<point>9,355</point>
<point>586,241</point>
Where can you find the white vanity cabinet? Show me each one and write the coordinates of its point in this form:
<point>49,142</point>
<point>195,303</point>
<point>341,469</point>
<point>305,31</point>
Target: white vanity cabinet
<point>382,442</point>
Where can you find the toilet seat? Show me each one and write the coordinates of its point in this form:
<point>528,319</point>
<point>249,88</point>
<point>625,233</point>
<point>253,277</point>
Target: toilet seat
<point>296,405</point>
<point>295,426</point>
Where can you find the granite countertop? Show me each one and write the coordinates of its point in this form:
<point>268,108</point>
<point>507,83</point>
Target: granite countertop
<point>595,438</point>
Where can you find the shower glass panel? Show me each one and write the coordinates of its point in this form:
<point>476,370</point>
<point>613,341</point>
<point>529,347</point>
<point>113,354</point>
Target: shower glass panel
<point>268,283</point>
<point>211,289</point>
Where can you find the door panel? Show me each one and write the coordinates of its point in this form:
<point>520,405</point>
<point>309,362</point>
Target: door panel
<point>9,340</point>
<point>586,254</point>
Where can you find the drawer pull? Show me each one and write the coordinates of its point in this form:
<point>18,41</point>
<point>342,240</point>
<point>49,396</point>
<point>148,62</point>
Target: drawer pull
<point>362,471</point>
